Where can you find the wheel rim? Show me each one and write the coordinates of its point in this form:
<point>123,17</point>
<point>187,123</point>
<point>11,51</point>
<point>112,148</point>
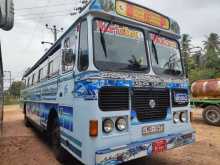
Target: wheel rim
<point>212,116</point>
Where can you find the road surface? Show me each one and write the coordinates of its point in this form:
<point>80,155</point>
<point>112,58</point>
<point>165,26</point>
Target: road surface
<point>24,146</point>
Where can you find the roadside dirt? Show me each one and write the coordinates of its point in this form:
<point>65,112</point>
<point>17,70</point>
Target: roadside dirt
<point>24,146</point>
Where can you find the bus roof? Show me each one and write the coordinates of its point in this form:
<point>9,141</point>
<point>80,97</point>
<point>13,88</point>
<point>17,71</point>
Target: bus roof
<point>124,9</point>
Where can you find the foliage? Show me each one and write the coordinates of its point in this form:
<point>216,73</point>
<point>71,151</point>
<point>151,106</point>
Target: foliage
<point>15,88</point>
<point>12,95</point>
<point>208,69</point>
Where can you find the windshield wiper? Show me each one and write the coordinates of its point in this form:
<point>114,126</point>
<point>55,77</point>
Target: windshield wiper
<point>155,53</point>
<point>102,39</point>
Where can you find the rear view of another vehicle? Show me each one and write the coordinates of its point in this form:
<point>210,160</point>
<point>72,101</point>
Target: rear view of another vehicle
<point>206,95</point>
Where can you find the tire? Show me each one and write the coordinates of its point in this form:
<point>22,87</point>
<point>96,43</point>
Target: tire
<point>211,115</point>
<point>26,121</point>
<point>58,150</point>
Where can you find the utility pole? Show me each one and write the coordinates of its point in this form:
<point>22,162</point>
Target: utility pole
<point>54,30</point>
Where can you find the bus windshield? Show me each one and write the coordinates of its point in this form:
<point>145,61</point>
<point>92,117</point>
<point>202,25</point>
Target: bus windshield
<point>119,47</point>
<point>166,56</point>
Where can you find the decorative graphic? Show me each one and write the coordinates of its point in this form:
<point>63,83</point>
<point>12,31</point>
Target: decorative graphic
<point>66,117</point>
<point>87,84</point>
<point>141,149</point>
<point>118,30</point>
<point>141,14</point>
<point>163,41</point>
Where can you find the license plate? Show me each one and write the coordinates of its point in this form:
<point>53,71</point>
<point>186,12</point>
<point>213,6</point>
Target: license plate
<point>159,146</point>
<point>150,130</point>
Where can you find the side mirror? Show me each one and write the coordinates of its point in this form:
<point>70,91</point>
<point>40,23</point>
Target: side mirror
<point>69,57</point>
<point>6,14</point>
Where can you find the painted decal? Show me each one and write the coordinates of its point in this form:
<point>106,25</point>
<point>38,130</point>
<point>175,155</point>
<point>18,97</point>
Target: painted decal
<point>118,30</point>
<point>142,149</point>
<point>88,84</point>
<point>163,41</point>
<point>66,117</point>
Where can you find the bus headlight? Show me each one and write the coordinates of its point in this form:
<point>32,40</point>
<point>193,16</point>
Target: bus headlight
<point>108,125</point>
<point>183,117</point>
<point>176,117</point>
<point>121,124</point>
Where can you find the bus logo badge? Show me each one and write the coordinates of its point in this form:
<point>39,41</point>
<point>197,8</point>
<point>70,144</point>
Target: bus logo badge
<point>152,104</point>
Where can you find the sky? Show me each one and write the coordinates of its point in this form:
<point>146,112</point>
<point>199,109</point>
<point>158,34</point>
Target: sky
<point>21,47</point>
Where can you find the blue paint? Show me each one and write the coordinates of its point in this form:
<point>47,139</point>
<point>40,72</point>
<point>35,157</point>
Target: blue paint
<point>72,148</point>
<point>66,117</point>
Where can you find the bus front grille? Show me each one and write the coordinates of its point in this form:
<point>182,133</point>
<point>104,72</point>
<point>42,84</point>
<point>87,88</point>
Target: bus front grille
<point>114,98</point>
<point>150,104</point>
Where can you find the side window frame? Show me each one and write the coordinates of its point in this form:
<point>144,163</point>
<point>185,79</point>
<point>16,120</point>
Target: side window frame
<point>80,69</point>
<point>33,79</point>
<point>49,66</point>
<point>39,78</point>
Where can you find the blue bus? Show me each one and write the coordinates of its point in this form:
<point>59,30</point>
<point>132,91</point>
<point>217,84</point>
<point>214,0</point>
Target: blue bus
<point>113,87</point>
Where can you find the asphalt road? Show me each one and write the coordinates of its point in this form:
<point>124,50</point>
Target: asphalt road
<point>25,146</point>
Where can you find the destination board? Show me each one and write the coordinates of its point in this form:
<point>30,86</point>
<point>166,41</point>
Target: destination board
<point>141,14</point>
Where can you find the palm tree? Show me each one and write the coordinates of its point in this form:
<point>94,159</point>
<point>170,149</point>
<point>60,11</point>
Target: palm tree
<point>185,46</point>
<point>212,42</point>
<point>212,48</point>
<point>185,42</point>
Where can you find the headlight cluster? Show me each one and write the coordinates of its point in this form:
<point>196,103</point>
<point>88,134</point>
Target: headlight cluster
<point>180,117</point>
<point>120,123</point>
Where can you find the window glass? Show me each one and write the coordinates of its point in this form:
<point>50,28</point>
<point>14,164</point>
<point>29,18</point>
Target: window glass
<point>50,68</point>
<point>44,73</point>
<point>83,60</point>
<point>166,57</point>
<point>69,51</point>
<point>53,67</point>
<point>40,75</point>
<point>118,47</point>
<point>28,82</point>
<point>33,81</point>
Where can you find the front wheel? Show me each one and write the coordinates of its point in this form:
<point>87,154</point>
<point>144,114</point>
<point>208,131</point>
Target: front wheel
<point>211,115</point>
<point>58,150</point>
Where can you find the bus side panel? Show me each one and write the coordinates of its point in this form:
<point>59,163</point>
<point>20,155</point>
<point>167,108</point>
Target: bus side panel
<point>39,112</point>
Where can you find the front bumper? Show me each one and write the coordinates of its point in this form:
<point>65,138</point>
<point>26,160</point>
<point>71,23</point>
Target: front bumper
<point>118,155</point>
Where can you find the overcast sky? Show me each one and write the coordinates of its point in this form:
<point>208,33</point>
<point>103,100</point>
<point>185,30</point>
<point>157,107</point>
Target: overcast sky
<point>22,47</point>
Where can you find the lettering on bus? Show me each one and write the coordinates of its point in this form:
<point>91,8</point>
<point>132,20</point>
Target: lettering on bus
<point>163,41</point>
<point>118,30</point>
<point>142,14</point>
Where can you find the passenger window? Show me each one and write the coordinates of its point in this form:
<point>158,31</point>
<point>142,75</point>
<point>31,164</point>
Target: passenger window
<point>53,68</point>
<point>28,82</point>
<point>40,75</point>
<point>33,77</point>
<point>68,56</point>
<point>83,60</point>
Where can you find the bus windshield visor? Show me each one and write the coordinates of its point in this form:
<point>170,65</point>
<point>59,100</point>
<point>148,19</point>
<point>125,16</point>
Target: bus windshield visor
<point>166,56</point>
<point>119,47</point>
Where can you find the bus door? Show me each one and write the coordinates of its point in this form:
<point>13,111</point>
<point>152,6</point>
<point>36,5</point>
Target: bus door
<point>66,80</point>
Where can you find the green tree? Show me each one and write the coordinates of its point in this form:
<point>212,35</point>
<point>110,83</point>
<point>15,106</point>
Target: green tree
<point>212,50</point>
<point>185,46</point>
<point>15,88</point>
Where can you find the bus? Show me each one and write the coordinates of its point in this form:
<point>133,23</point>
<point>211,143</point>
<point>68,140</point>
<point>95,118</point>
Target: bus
<point>113,87</point>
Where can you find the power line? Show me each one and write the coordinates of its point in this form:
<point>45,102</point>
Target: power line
<point>39,7</point>
<point>33,14</point>
<point>42,17</point>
